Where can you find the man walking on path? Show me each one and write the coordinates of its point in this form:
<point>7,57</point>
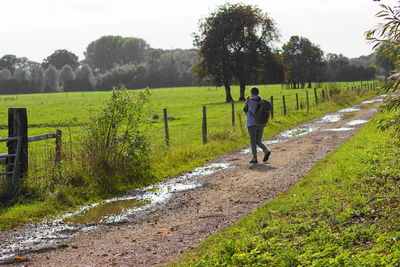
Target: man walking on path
<point>254,127</point>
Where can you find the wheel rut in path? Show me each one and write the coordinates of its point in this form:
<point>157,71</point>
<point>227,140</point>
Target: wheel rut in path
<point>161,233</point>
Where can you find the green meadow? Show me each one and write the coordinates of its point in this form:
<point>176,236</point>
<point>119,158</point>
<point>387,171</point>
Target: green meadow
<point>69,111</point>
<point>340,214</point>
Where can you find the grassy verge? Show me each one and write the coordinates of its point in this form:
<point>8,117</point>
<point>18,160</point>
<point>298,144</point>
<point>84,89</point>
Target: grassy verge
<point>344,213</point>
<point>185,153</point>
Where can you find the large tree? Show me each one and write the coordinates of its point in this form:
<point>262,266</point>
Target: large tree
<point>8,62</point>
<point>84,79</point>
<point>51,79</point>
<point>66,76</point>
<point>108,51</point>
<point>303,61</point>
<point>232,43</point>
<point>60,58</point>
<point>5,74</point>
<point>334,64</point>
<point>37,79</point>
<point>20,75</point>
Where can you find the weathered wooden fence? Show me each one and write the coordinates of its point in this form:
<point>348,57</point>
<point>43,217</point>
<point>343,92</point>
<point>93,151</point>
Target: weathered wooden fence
<point>16,160</point>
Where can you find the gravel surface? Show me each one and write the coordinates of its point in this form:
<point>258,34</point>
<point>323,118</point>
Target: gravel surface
<point>159,234</point>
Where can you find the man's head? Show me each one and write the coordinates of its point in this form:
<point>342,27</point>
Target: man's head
<point>254,91</point>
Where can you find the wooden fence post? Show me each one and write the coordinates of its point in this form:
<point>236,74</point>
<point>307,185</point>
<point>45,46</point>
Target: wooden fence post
<point>284,105</point>
<point>272,107</point>
<point>58,146</point>
<point>18,126</point>
<point>316,96</point>
<point>204,128</point>
<point>307,102</point>
<point>233,114</point>
<point>166,126</point>
<point>297,101</point>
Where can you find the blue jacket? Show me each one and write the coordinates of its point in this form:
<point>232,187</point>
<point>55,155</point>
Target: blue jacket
<point>250,108</point>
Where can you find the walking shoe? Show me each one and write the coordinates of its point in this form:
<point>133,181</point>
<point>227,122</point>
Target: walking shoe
<point>253,161</point>
<point>266,156</point>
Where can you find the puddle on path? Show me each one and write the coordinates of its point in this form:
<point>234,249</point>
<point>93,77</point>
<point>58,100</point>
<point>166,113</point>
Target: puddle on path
<point>297,132</point>
<point>331,118</point>
<point>205,170</point>
<point>342,129</point>
<point>121,209</point>
<point>248,150</point>
<point>372,101</point>
<point>356,122</point>
<point>267,143</point>
<point>349,110</point>
<point>111,211</point>
<point>99,212</point>
<point>271,142</point>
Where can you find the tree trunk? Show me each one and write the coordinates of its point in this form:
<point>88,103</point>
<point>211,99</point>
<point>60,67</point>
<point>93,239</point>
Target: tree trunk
<point>242,90</point>
<point>228,96</point>
<point>309,85</point>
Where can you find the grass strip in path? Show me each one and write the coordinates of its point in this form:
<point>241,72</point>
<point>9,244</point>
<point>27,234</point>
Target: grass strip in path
<point>344,213</point>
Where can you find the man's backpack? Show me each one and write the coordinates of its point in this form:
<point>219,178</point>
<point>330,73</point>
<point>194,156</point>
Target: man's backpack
<point>263,111</point>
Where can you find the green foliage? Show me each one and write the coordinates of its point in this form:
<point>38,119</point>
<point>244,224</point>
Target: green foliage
<point>340,68</point>
<point>234,41</point>
<point>66,75</point>
<point>111,154</point>
<point>60,58</point>
<point>341,214</point>
<point>114,143</point>
<point>386,38</point>
<point>108,51</point>
<point>51,79</point>
<point>303,61</point>
<point>5,74</point>
<point>37,78</point>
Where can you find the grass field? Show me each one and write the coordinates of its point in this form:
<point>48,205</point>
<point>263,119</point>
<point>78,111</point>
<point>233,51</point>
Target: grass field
<point>340,214</point>
<point>185,152</point>
<point>66,111</point>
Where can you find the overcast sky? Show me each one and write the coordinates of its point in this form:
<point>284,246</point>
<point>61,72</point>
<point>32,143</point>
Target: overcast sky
<point>35,29</point>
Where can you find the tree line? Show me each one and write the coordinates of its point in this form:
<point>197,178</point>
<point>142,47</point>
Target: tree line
<point>234,45</point>
<point>109,61</point>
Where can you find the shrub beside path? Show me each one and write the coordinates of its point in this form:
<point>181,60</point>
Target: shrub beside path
<point>164,232</point>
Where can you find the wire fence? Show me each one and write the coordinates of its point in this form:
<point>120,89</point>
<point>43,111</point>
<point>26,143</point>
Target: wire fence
<point>174,128</point>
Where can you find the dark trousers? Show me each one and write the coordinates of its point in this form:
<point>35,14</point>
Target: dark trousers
<point>255,134</point>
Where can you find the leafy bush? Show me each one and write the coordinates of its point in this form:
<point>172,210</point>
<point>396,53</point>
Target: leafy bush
<point>115,144</point>
<point>385,38</point>
<point>112,154</point>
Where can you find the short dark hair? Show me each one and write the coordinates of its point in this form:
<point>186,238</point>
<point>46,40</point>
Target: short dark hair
<point>254,91</point>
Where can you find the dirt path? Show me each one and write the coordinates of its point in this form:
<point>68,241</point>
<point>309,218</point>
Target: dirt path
<point>159,235</point>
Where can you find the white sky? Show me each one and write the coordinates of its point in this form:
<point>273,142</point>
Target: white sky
<point>35,29</point>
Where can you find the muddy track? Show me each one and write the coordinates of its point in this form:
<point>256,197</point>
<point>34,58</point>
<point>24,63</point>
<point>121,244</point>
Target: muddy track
<point>204,204</point>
